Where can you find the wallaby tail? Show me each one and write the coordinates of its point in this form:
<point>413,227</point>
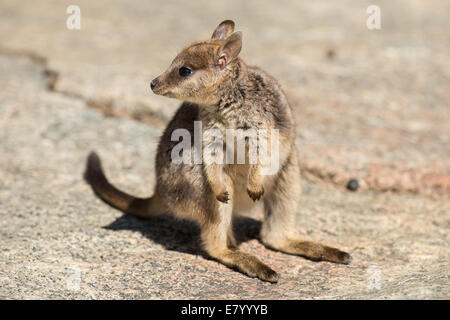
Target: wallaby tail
<point>140,207</point>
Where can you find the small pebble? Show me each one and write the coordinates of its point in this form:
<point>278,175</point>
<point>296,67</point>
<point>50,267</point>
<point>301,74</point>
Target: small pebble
<point>331,54</point>
<point>352,185</point>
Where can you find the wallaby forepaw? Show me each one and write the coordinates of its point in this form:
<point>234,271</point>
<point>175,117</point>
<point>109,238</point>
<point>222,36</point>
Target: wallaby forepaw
<point>223,197</point>
<point>255,194</point>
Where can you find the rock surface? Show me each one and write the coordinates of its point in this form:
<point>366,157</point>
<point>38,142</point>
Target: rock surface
<point>370,105</point>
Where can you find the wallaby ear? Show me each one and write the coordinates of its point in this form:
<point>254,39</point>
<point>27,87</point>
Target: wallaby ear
<point>223,30</point>
<point>230,49</point>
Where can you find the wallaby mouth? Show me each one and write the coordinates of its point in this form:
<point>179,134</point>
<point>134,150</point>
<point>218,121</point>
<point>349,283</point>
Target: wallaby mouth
<point>163,92</point>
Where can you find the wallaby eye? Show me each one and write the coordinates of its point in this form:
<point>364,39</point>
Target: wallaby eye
<point>185,71</point>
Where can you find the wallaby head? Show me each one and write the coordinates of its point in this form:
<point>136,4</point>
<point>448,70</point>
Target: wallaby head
<point>197,71</point>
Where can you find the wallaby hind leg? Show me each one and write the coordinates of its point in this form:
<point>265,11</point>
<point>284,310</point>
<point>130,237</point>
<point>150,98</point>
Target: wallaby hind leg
<point>217,243</point>
<point>281,207</point>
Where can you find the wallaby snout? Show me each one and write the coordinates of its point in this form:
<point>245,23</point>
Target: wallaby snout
<point>154,83</point>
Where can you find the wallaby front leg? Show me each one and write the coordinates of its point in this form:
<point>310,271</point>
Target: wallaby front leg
<point>255,188</point>
<point>213,158</point>
<point>217,181</point>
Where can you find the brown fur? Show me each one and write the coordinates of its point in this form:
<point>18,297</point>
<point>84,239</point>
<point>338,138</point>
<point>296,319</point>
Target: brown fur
<point>224,93</point>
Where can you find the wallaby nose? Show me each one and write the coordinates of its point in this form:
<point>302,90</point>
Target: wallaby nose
<point>154,83</point>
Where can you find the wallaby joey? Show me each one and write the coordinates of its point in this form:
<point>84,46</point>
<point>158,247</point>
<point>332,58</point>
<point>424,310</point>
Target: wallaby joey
<point>222,93</point>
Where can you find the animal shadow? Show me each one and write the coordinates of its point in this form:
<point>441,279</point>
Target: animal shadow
<point>182,235</point>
